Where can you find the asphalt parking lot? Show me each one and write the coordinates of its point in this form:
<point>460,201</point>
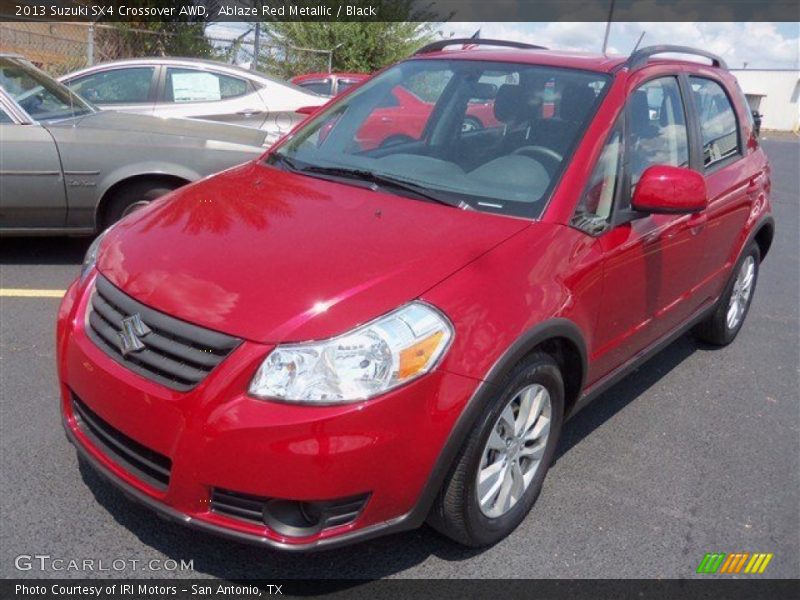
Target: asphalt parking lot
<point>698,451</point>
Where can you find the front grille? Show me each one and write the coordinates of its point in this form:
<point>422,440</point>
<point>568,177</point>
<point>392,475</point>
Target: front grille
<point>172,352</point>
<point>144,463</point>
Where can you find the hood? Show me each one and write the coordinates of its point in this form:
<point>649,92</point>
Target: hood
<point>273,256</point>
<point>110,120</point>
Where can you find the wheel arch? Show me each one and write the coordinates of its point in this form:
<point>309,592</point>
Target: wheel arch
<point>764,235</point>
<point>560,338</point>
<point>132,179</point>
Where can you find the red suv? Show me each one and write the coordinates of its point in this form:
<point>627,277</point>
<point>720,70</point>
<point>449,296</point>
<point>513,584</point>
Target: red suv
<point>332,342</point>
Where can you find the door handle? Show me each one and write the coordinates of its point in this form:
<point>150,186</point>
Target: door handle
<point>248,112</point>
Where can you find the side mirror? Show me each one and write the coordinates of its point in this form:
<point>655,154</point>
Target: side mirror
<point>665,189</point>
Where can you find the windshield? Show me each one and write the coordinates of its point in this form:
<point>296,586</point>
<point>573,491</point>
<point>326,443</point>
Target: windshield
<point>43,98</point>
<point>474,134</point>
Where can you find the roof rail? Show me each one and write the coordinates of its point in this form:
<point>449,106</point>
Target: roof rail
<point>442,44</point>
<point>640,57</point>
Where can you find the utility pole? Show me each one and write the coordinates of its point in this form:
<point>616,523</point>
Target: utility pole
<point>90,44</point>
<point>256,47</point>
<point>608,25</point>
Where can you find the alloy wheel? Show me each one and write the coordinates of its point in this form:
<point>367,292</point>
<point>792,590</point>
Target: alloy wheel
<point>742,290</point>
<point>513,453</point>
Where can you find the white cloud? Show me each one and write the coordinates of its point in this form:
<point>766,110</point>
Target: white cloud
<point>757,44</point>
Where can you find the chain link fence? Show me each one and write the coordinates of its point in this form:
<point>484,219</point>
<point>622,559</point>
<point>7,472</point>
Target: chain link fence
<point>60,48</point>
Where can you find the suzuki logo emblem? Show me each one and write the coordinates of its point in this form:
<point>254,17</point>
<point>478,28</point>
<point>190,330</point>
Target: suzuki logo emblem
<point>133,328</point>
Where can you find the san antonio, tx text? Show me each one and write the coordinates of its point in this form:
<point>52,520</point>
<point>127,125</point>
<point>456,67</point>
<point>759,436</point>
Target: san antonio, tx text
<point>130,589</point>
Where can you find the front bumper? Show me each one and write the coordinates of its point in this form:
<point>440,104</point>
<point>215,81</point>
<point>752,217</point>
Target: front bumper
<point>216,437</point>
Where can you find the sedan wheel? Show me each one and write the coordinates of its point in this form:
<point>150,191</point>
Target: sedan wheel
<point>514,451</point>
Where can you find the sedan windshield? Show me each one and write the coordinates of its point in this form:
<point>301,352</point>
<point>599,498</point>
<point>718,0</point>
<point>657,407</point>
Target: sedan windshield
<point>43,98</point>
<point>473,134</point>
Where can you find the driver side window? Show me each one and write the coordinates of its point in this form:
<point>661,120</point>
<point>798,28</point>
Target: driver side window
<point>657,134</point>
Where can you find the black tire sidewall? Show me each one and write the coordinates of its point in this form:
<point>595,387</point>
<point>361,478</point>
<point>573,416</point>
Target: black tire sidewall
<point>129,195</point>
<point>484,530</point>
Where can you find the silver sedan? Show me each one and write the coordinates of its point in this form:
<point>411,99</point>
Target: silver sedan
<point>67,168</point>
<point>193,88</point>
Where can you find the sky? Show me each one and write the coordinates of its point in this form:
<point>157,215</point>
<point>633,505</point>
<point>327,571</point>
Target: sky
<point>758,45</point>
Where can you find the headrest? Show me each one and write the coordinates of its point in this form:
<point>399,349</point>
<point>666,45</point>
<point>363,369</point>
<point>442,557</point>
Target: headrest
<point>508,102</point>
<point>575,102</point>
<point>640,113</point>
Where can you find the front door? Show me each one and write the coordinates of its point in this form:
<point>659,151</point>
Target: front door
<point>31,182</point>
<point>651,263</point>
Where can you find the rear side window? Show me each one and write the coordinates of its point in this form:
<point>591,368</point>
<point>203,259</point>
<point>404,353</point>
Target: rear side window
<point>190,85</point>
<point>345,84</point>
<point>119,86</point>
<point>718,126</point>
<point>318,86</point>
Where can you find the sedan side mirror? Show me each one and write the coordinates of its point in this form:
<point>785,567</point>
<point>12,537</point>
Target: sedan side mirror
<point>665,189</point>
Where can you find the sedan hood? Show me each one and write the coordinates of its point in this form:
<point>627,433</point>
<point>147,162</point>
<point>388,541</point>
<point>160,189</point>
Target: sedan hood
<point>273,256</point>
<point>109,120</point>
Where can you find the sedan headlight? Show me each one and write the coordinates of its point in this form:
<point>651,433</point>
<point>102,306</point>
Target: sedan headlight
<point>90,258</point>
<point>360,364</point>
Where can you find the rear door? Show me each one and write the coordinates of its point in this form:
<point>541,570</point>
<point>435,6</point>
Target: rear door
<point>210,95</point>
<point>735,176</point>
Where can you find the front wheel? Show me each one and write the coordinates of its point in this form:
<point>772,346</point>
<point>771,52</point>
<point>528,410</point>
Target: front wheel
<point>133,197</point>
<point>724,324</point>
<point>503,463</point>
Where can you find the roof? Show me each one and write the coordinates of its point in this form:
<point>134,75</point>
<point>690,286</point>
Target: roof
<point>598,62</point>
<point>554,58</point>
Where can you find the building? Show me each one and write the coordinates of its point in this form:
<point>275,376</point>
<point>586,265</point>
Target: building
<point>773,93</point>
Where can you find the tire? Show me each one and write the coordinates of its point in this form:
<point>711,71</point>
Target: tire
<point>717,328</point>
<point>128,197</point>
<point>457,511</point>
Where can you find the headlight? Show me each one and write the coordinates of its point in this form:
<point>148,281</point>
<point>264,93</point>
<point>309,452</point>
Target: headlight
<point>91,255</point>
<point>363,363</point>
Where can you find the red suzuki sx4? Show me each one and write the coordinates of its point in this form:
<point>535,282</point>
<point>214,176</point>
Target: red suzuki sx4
<point>348,337</point>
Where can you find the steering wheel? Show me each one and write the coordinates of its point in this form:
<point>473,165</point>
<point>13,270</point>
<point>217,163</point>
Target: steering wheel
<point>549,158</point>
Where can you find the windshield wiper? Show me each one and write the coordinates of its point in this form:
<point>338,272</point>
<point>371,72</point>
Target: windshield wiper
<point>380,180</point>
<point>284,160</point>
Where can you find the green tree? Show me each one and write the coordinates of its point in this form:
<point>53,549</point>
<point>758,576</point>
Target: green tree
<point>359,46</point>
<point>181,36</point>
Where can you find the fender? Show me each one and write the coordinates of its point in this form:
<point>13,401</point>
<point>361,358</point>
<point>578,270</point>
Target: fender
<point>488,386</point>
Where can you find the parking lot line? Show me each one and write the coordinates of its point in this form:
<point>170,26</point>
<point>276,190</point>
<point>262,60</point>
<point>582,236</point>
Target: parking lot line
<point>23,293</point>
